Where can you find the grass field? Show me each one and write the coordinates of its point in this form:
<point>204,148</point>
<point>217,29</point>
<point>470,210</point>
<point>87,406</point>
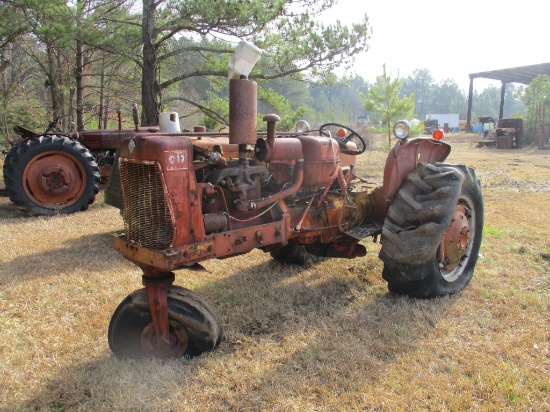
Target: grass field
<point>323,338</point>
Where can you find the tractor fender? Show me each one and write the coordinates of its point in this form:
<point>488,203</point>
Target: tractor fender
<point>404,159</point>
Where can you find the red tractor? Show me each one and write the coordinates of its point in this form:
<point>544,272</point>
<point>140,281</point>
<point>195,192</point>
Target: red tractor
<point>296,195</point>
<point>57,173</point>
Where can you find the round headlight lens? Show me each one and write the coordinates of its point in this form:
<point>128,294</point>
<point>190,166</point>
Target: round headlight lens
<point>302,126</point>
<point>402,129</point>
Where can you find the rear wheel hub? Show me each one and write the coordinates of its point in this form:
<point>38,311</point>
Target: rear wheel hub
<point>54,180</point>
<point>453,247</point>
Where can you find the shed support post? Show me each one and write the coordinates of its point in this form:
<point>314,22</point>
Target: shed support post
<point>502,92</point>
<point>469,115</point>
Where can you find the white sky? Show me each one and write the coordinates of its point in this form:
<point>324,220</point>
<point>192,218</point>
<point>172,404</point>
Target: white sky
<point>450,39</point>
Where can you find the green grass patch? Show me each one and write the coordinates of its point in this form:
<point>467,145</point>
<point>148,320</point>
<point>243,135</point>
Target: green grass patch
<point>493,231</point>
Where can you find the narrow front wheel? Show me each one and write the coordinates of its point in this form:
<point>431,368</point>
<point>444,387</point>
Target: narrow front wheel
<point>194,327</point>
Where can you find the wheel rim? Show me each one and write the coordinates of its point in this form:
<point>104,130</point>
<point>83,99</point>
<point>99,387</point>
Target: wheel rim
<point>454,249</point>
<point>153,347</point>
<point>54,178</point>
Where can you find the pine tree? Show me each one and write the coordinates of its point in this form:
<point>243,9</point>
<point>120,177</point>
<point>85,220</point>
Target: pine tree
<point>383,101</point>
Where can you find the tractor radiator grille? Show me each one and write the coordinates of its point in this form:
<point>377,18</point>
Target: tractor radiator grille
<point>147,219</point>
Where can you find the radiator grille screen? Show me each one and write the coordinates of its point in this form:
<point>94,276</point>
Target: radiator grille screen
<point>147,219</point>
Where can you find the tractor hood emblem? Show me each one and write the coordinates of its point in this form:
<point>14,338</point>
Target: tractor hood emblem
<point>131,146</point>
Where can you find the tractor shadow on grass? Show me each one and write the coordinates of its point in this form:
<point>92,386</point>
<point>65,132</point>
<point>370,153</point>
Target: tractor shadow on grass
<point>8,210</point>
<point>324,328</point>
<point>333,319</point>
<point>93,251</point>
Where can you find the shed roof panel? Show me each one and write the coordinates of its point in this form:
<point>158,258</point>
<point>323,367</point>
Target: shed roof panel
<point>523,74</point>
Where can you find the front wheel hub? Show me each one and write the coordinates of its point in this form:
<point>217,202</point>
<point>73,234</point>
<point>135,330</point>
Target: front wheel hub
<point>158,348</point>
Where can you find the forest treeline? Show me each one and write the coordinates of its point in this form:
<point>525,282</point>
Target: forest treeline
<point>83,60</point>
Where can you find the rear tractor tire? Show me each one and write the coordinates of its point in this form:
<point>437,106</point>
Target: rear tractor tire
<point>432,233</point>
<point>51,175</point>
<point>194,326</point>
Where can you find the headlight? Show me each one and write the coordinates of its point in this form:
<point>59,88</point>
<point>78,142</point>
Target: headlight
<point>402,129</point>
<point>302,126</point>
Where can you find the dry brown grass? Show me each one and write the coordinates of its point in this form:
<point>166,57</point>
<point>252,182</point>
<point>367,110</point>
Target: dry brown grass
<point>324,338</point>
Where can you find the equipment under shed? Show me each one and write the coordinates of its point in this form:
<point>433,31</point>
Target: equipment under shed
<point>523,75</point>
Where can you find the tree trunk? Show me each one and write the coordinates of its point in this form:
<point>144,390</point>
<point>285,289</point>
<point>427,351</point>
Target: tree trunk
<point>56,84</point>
<point>5,125</point>
<point>149,88</point>
<point>101,94</point>
<point>79,86</point>
<point>5,87</point>
<point>106,113</point>
<point>71,109</point>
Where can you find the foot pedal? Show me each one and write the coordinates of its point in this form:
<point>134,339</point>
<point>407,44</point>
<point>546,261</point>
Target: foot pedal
<point>360,232</point>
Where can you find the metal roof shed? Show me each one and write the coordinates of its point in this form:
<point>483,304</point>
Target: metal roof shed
<point>523,75</point>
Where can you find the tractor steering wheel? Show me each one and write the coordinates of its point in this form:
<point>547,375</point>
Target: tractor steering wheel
<point>343,135</point>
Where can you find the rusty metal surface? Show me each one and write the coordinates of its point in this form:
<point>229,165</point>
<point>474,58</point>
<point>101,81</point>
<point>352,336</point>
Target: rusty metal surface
<point>158,348</point>
<point>174,157</point>
<point>321,160</point>
<point>363,231</point>
<point>299,176</point>
<point>404,158</point>
<point>455,241</point>
<point>227,213</point>
<point>282,149</point>
<point>369,200</point>
<point>219,245</point>
<point>271,120</point>
<point>509,134</point>
<point>54,177</point>
<point>215,222</point>
<point>110,138</point>
<point>157,293</point>
<point>161,338</point>
<point>243,112</point>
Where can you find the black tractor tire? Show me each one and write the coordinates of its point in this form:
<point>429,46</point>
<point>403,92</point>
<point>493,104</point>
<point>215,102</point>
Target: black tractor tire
<point>188,313</point>
<point>7,159</point>
<point>51,175</point>
<point>437,205</point>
